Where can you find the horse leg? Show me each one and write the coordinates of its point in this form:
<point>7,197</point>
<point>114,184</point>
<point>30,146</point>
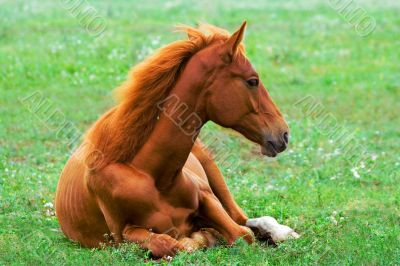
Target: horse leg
<point>269,229</point>
<point>117,191</point>
<point>218,184</point>
<point>160,245</point>
<point>214,213</point>
<point>206,237</point>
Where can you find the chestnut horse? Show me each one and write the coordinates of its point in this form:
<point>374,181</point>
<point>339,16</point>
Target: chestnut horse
<point>142,176</point>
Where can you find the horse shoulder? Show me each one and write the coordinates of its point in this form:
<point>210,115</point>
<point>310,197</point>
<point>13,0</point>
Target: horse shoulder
<point>122,183</point>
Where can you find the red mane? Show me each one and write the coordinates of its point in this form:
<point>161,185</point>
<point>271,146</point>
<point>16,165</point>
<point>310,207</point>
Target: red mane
<point>121,132</point>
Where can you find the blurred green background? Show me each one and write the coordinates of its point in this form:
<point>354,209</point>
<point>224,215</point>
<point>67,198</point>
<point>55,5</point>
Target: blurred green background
<point>346,207</point>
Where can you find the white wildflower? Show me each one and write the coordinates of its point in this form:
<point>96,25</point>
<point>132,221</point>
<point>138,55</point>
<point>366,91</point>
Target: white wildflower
<point>113,54</point>
<point>336,152</point>
<point>333,220</point>
<point>49,209</point>
<point>355,173</point>
<point>48,205</point>
<point>155,41</point>
<point>269,187</point>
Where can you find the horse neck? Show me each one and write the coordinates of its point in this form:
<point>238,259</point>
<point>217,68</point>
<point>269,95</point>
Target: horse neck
<point>169,145</point>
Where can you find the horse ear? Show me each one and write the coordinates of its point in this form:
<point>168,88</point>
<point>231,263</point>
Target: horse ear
<point>233,42</point>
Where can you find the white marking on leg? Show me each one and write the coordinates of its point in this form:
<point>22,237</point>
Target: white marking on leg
<point>268,225</point>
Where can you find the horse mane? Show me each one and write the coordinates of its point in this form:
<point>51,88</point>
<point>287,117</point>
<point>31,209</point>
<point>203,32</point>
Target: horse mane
<point>119,134</point>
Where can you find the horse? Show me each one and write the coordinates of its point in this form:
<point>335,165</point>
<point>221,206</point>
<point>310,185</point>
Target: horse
<point>142,175</point>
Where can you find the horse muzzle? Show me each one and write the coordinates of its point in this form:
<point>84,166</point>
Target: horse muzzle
<point>272,147</point>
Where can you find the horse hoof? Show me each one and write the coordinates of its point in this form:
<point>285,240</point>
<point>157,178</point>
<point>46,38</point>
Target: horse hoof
<point>268,227</point>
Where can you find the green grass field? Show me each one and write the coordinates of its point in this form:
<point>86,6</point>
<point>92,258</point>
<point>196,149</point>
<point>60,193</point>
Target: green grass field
<point>345,202</point>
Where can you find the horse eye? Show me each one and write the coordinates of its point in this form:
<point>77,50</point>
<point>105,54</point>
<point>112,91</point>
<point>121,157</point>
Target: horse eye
<point>253,82</point>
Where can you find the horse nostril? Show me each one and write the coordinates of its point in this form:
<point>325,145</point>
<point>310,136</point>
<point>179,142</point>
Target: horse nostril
<point>286,137</point>
<point>271,143</point>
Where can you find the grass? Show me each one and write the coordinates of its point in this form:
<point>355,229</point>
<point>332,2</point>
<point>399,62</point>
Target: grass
<point>346,213</point>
